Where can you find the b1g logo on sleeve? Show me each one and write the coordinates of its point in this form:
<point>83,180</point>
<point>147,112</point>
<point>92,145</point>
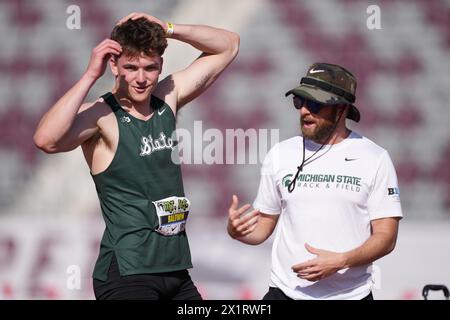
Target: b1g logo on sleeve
<point>172,215</point>
<point>394,193</point>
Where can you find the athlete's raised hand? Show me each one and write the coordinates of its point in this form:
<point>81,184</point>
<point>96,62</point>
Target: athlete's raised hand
<point>99,57</point>
<point>137,15</point>
<point>241,224</point>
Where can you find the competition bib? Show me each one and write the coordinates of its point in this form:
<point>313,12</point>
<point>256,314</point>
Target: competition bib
<point>172,215</point>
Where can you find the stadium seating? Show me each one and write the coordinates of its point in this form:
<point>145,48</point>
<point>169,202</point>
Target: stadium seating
<point>403,92</point>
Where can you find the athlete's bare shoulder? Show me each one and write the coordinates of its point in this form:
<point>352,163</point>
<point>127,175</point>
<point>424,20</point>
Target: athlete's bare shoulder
<point>96,111</point>
<point>165,90</point>
<point>97,107</point>
<point>100,148</point>
<point>99,114</point>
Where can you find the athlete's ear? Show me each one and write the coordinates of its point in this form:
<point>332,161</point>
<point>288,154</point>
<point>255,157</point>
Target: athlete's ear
<point>113,63</point>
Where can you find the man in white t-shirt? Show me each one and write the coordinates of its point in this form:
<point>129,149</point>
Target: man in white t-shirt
<point>332,192</point>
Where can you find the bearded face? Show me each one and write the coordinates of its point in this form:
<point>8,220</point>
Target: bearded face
<point>319,126</point>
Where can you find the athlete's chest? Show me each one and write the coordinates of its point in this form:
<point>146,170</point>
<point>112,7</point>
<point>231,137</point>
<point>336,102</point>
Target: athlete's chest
<point>147,140</point>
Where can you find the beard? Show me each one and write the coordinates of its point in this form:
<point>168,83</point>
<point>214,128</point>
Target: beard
<point>321,130</point>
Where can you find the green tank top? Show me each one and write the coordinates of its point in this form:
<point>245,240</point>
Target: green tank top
<point>142,198</point>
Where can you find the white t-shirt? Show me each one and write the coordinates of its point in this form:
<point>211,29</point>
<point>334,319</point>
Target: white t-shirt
<point>336,196</point>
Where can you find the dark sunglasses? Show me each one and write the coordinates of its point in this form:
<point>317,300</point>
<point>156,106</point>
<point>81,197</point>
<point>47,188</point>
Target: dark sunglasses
<point>311,105</point>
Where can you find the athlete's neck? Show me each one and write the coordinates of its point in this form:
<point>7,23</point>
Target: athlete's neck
<point>124,99</point>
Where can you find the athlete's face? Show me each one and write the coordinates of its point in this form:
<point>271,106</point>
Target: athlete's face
<point>319,126</point>
<point>137,76</point>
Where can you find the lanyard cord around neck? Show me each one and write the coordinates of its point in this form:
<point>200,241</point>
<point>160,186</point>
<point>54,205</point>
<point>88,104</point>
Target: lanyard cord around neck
<point>293,183</point>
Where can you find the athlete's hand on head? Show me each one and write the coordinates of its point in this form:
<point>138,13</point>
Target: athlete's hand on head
<point>241,224</point>
<point>137,15</point>
<point>323,265</point>
<point>99,57</point>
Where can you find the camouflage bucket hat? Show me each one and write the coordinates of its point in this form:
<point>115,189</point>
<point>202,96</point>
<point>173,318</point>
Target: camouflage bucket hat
<point>329,84</point>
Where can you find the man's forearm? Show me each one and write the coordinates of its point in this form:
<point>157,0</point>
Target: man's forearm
<point>258,236</point>
<point>206,39</point>
<point>253,238</point>
<point>377,246</point>
<point>57,121</point>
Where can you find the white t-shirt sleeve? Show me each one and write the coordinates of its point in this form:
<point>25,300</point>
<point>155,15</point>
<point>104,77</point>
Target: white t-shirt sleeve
<point>384,198</point>
<point>268,199</point>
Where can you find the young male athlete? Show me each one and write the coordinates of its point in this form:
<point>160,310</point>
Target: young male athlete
<point>126,138</point>
<point>332,192</point>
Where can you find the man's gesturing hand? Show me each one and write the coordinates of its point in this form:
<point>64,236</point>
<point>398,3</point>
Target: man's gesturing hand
<point>239,223</point>
<point>99,57</point>
<point>324,265</point>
